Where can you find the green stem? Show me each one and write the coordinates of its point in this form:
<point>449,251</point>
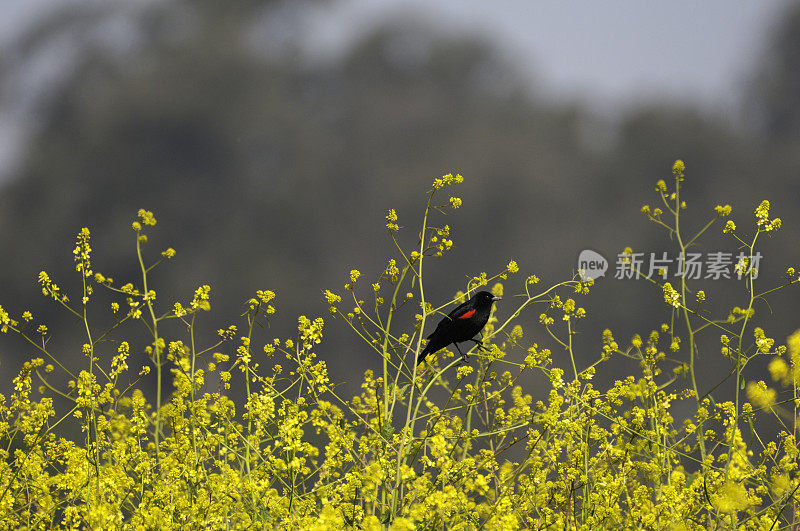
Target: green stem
<point>156,346</point>
<point>689,331</point>
<point>92,432</point>
<point>409,425</point>
<point>569,348</point>
<point>740,354</point>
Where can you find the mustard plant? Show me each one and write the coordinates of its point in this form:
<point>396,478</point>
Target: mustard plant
<point>443,444</point>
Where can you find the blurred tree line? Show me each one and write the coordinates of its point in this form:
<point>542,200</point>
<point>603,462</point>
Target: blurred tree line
<point>267,172</point>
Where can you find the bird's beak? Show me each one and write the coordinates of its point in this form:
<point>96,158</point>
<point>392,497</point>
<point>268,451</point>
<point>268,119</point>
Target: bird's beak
<point>496,299</point>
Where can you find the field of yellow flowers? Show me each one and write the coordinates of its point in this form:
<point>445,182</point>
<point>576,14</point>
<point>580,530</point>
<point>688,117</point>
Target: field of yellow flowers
<point>447,445</point>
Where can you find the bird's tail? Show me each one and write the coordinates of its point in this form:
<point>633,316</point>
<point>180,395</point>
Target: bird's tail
<point>424,353</point>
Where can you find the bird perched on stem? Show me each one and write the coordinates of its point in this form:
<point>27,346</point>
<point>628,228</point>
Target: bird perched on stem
<point>462,324</point>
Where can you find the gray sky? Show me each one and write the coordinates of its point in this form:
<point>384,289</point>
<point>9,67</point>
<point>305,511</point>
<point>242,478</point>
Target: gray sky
<point>605,53</point>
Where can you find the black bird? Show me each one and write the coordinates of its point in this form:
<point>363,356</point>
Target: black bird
<point>462,324</point>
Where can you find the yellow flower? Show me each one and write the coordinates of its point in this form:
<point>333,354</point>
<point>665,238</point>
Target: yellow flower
<point>391,220</point>
<point>201,298</point>
<point>447,180</point>
<point>636,341</point>
<point>392,271</point>
<point>671,296</point>
<point>701,296</point>
<point>82,252</point>
<point>761,395</point>
<point>146,217</point>
<point>723,210</point>
<point>497,289</point>
<point>762,211</point>
<point>778,369</point>
<point>730,498</point>
<point>332,299</point>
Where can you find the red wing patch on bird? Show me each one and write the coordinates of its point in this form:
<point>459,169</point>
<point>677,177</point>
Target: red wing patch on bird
<point>468,314</point>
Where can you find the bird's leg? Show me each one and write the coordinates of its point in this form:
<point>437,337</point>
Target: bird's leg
<point>464,357</point>
<point>480,344</point>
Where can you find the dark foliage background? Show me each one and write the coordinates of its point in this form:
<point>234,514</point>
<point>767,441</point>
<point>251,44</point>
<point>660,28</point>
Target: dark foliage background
<point>267,173</point>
